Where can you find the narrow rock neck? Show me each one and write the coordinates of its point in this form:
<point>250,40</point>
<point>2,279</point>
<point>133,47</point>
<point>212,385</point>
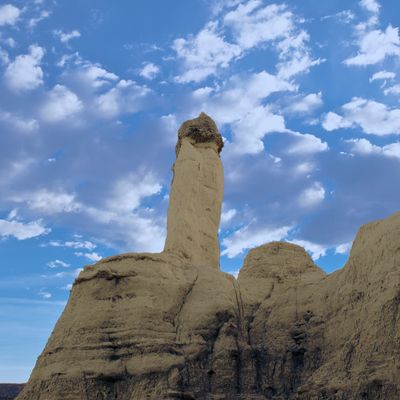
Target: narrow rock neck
<point>195,204</point>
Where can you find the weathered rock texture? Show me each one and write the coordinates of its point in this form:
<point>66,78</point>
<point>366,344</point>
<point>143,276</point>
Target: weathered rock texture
<point>172,326</point>
<point>196,194</point>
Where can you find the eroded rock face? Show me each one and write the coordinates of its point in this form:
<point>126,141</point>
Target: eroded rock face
<point>172,326</point>
<point>196,194</point>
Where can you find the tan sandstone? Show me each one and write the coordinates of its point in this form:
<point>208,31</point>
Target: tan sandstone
<point>172,326</point>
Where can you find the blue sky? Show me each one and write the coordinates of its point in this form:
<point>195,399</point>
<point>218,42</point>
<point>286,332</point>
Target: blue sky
<point>306,95</point>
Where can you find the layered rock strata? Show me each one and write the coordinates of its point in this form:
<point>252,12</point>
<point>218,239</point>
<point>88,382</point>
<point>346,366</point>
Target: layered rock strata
<point>172,326</point>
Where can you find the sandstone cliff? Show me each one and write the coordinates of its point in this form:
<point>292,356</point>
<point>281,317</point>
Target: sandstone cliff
<point>173,326</point>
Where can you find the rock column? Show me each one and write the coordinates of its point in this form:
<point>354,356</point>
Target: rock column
<point>196,193</point>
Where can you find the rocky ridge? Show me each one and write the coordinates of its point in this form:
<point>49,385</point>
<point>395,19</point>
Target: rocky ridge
<point>173,326</point>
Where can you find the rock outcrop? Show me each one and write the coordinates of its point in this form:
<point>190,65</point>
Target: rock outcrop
<point>173,326</point>
<point>196,194</point>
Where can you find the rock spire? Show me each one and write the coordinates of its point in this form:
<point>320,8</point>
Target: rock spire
<point>196,193</point>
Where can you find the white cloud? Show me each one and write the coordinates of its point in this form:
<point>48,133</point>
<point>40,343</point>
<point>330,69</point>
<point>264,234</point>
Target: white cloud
<point>45,295</point>
<point>295,56</point>
<point>392,90</point>
<point>228,215</point>
<point>61,103</point>
<point>252,127</point>
<point>312,196</point>
<point>304,168</point>
<point>343,248</point>
<point>370,5</point>
<point>57,264</point>
<point>305,143</point>
<point>246,238</point>
<point>316,250</point>
<point>21,124</point>
<point>48,202</point>
<point>4,58</point>
<point>25,73</point>
<point>254,24</point>
<point>365,147</point>
<point>65,37</point>
<point>333,121</point>
<point>9,41</point>
<point>9,14</point>
<point>374,118</point>
<point>240,104</point>
<point>73,244</point>
<point>128,192</point>
<point>149,71</point>
<point>21,230</point>
<point>375,46</point>
<point>234,273</point>
<point>203,54</point>
<point>381,75</point>
<point>250,25</point>
<point>345,16</point>
<point>94,257</point>
<point>126,97</point>
<point>35,20</point>
<point>217,6</point>
<point>95,76</point>
<point>307,104</point>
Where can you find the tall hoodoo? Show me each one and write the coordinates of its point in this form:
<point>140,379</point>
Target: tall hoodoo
<point>196,193</point>
<point>165,326</point>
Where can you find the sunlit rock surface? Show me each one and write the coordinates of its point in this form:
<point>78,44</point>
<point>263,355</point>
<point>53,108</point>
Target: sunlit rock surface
<point>173,326</point>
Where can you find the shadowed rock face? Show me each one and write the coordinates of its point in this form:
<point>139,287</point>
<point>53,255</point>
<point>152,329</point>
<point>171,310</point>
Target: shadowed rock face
<point>172,326</point>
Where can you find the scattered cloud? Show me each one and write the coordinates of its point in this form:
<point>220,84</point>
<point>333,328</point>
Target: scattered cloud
<point>25,72</point>
<point>312,196</point>
<point>65,37</point>
<point>253,23</point>
<point>60,104</point>
<point>307,104</point>
<point>94,257</point>
<point>73,244</point>
<point>316,250</point>
<point>48,202</point>
<point>21,124</point>
<point>382,75</point>
<point>126,97</point>
<point>129,192</point>
<point>35,20</point>
<point>149,71</point>
<point>392,90</point>
<point>45,295</point>
<point>365,147</point>
<point>375,46</point>
<point>22,230</point>
<point>204,53</point>
<point>345,16</point>
<point>372,117</point>
<point>305,143</point>
<point>94,76</point>
<point>248,237</point>
<point>227,216</point>
<point>58,263</point>
<point>250,25</point>
<point>9,14</point>
<point>370,5</point>
<point>344,248</point>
